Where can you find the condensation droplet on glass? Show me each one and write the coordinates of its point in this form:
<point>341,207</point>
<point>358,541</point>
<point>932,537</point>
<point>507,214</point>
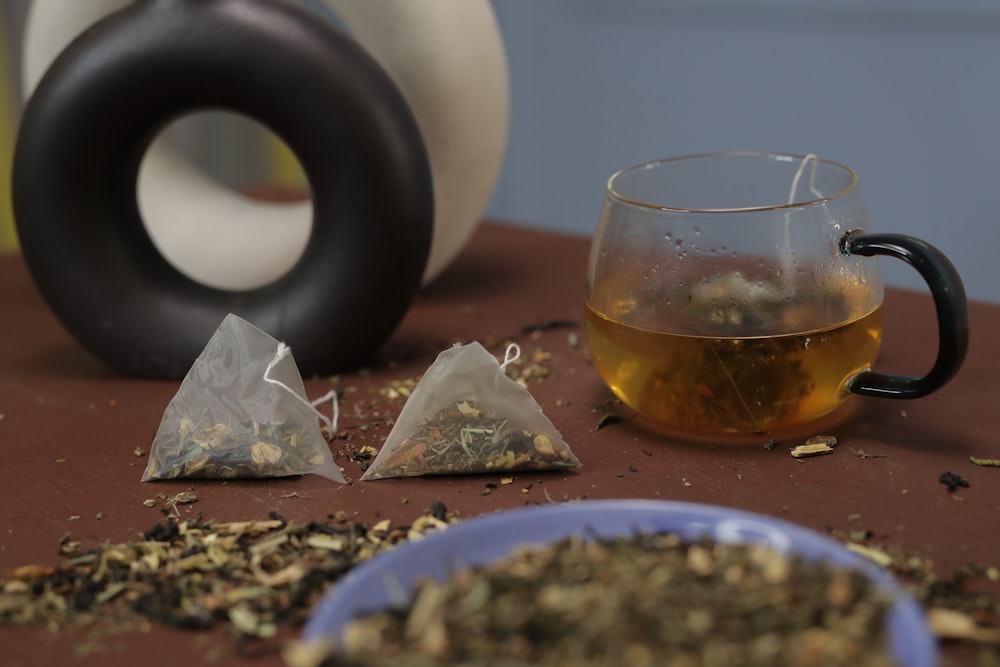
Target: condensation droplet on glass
<point>696,229</point>
<point>626,306</point>
<point>679,242</point>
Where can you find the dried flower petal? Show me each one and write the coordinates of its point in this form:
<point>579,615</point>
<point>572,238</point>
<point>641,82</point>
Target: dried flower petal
<point>265,453</point>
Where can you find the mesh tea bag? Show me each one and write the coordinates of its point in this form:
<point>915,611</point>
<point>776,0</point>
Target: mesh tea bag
<point>466,416</point>
<point>241,411</point>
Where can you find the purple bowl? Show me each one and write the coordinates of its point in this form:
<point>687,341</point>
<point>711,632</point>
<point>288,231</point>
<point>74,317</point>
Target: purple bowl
<point>388,580</point>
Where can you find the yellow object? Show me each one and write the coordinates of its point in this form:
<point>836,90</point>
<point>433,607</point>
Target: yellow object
<point>8,236</point>
<point>286,172</point>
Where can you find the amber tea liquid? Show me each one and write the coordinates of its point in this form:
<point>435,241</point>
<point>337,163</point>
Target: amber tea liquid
<point>730,383</point>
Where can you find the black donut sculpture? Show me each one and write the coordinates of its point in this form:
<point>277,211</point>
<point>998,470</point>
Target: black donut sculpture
<point>87,126</point>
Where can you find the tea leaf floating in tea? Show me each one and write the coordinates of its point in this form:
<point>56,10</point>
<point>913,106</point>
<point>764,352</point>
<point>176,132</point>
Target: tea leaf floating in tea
<point>642,600</point>
<point>467,416</point>
<point>729,356</point>
<point>241,411</point>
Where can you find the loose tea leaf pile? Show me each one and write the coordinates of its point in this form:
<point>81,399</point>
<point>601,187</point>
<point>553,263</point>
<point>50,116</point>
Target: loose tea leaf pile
<point>957,604</point>
<point>249,577</point>
<point>649,600</point>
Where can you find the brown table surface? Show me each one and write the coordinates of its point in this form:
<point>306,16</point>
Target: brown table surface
<point>69,429</point>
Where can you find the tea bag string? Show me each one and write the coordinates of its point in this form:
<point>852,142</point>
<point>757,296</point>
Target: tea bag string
<point>810,158</point>
<point>512,354</point>
<point>331,424</point>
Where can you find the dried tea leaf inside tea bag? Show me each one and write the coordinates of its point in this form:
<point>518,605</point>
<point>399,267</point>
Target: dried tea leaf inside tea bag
<point>466,416</point>
<point>241,411</point>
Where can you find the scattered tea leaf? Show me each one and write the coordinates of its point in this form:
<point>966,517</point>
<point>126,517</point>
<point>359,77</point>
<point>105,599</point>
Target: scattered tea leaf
<point>804,451</point>
<point>608,419</point>
<point>952,481</point>
<point>183,498</point>
<point>871,553</point>
<point>991,463</point>
<point>814,446</point>
<point>399,388</point>
<point>951,624</point>
<point>536,366</point>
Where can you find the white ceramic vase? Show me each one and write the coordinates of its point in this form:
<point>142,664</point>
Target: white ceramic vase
<point>446,58</point>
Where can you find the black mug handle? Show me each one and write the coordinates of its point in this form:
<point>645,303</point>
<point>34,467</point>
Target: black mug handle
<point>949,301</point>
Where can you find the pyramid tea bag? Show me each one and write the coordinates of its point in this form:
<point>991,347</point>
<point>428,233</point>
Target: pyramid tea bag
<point>466,416</point>
<point>241,411</point>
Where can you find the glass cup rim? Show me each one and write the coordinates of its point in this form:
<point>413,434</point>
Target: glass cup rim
<point>652,164</point>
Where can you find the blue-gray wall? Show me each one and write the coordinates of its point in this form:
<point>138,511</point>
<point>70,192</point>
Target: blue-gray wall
<point>903,91</point>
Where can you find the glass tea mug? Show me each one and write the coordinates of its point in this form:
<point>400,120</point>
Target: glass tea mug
<point>738,293</point>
